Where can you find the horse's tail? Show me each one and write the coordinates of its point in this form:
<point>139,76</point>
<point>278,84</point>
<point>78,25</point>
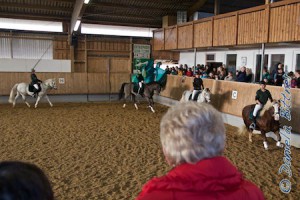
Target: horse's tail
<point>243,130</point>
<point>121,92</point>
<point>12,93</point>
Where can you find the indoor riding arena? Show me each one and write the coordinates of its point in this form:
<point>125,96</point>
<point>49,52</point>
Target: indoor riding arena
<point>93,147</point>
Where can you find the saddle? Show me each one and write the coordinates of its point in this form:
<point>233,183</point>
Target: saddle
<point>196,96</point>
<point>31,88</point>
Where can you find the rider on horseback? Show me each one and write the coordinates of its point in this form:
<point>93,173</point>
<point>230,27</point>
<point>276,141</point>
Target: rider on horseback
<point>35,83</point>
<point>198,86</point>
<point>261,98</point>
<point>141,82</point>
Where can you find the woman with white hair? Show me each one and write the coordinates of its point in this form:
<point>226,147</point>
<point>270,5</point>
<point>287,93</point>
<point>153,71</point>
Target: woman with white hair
<point>193,141</point>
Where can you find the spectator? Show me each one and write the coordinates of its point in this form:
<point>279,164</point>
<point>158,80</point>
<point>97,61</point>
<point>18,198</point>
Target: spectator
<point>266,75</point>
<point>297,76</point>
<point>211,75</point>
<point>278,77</point>
<point>193,140</point>
<point>167,70</point>
<point>249,75</point>
<point>241,75</point>
<point>23,181</point>
<point>229,77</point>
<point>189,72</point>
<point>173,71</point>
<point>293,80</point>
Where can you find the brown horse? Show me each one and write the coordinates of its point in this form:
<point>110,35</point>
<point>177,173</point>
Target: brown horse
<point>267,121</point>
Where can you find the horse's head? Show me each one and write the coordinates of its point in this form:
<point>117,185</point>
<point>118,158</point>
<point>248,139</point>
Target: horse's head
<point>275,110</point>
<point>206,94</point>
<point>51,83</point>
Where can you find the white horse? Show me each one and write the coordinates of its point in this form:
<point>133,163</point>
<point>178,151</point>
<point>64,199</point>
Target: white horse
<point>23,90</point>
<point>204,96</point>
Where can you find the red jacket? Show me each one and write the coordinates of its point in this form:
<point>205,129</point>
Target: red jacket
<point>214,178</point>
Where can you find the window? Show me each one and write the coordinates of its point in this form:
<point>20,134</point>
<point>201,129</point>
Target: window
<point>275,60</point>
<point>258,65</point>
<point>210,57</point>
<point>297,62</point>
<point>231,63</point>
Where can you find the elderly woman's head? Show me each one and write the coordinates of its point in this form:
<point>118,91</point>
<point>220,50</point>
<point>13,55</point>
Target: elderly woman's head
<point>190,132</point>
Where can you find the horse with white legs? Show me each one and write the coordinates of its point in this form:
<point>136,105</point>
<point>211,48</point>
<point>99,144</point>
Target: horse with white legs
<point>127,89</point>
<point>268,121</point>
<point>22,89</point>
<point>204,96</point>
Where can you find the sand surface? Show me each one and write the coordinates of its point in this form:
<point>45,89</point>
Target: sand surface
<point>102,151</point>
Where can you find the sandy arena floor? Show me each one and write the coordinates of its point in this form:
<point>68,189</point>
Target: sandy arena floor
<point>102,151</point>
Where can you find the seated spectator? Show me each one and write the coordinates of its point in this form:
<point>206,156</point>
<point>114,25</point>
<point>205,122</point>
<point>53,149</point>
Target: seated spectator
<point>241,75</point>
<point>297,76</point>
<point>189,72</point>
<point>204,74</point>
<point>267,81</point>
<point>266,74</point>
<point>193,140</point>
<point>173,71</point>
<point>23,181</point>
<point>229,77</point>
<point>222,74</point>
<point>211,75</point>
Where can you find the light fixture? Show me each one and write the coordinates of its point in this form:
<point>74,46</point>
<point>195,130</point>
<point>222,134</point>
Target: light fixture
<point>77,25</point>
<point>86,1</point>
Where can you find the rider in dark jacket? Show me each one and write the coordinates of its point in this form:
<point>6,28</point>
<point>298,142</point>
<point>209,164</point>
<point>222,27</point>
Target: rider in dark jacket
<point>35,82</point>
<point>198,86</point>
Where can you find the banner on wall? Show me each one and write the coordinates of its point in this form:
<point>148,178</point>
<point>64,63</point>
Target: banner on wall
<point>141,51</point>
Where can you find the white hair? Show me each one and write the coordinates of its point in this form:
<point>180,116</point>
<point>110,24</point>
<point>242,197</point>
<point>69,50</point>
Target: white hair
<point>192,131</point>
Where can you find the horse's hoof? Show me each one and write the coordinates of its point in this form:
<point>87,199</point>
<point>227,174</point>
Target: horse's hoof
<point>278,144</point>
<point>124,105</point>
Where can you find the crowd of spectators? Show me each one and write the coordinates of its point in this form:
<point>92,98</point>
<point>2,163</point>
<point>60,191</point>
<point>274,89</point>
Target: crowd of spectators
<point>244,74</point>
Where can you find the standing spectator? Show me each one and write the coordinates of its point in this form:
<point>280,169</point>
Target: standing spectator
<point>266,75</point>
<point>167,70</point>
<point>198,86</point>
<point>249,75</point>
<point>278,77</point>
<point>173,71</point>
<point>297,76</point>
<point>241,75</point>
<point>193,141</point>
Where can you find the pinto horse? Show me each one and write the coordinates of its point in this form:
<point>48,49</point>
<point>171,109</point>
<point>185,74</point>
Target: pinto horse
<point>128,89</point>
<point>267,121</point>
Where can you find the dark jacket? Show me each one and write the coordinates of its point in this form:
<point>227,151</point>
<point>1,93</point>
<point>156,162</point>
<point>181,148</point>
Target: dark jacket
<point>34,79</point>
<point>263,97</point>
<point>198,84</point>
<point>205,180</point>
<point>241,77</point>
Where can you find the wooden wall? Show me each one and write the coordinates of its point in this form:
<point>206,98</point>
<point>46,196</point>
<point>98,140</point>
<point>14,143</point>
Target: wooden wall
<point>225,31</point>
<point>276,22</point>
<point>253,27</point>
<point>184,39</point>
<point>203,33</point>
<point>222,92</point>
<point>170,38</point>
<point>159,40</point>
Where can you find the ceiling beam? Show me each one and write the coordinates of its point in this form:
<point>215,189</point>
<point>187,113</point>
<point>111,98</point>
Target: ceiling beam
<point>35,7</point>
<point>195,7</point>
<point>120,15</point>
<point>123,24</point>
<point>78,11</point>
<point>35,17</point>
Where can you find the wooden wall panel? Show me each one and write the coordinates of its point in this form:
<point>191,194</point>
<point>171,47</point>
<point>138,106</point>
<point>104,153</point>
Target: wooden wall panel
<point>185,36</point>
<point>98,83</point>
<point>98,64</point>
<point>165,55</point>
<point>225,31</point>
<point>252,27</point>
<point>284,23</point>
<point>171,38</point>
<point>158,43</point>
<point>203,34</point>
<point>222,91</point>
<point>116,80</point>
<point>120,65</point>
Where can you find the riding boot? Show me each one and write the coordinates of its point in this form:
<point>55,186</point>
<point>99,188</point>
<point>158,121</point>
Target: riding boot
<point>253,125</point>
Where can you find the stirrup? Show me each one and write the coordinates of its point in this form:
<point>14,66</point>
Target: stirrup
<point>252,126</point>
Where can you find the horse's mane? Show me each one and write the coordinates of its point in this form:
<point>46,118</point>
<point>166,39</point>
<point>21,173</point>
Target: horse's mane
<point>268,105</point>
